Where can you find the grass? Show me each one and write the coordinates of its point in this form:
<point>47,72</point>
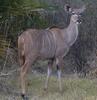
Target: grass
<point>73,89</point>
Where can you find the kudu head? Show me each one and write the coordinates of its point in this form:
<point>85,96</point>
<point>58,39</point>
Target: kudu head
<point>75,13</point>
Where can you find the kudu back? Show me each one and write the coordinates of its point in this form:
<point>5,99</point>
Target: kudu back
<point>51,44</point>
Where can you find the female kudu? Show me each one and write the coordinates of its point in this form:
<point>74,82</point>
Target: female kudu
<point>52,44</point>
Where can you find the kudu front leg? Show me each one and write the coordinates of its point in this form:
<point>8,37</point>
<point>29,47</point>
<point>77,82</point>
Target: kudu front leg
<point>59,72</point>
<point>49,70</point>
<point>59,78</point>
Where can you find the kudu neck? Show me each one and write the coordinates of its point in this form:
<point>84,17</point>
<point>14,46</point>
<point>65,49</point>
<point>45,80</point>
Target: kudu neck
<point>72,25</point>
<point>71,33</point>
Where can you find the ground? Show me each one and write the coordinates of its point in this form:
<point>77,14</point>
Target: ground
<point>74,88</point>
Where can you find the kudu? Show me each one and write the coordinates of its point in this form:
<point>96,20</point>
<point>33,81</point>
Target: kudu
<point>50,44</point>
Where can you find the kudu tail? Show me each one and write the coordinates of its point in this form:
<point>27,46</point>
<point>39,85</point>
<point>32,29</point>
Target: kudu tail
<point>21,50</point>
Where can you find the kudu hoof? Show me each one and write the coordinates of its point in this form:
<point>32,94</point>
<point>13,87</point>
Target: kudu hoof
<point>45,89</point>
<point>24,97</point>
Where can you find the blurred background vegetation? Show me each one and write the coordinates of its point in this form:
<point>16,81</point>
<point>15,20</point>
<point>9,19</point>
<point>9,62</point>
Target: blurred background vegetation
<point>18,15</point>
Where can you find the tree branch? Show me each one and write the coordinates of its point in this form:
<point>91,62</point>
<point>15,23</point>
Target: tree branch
<point>9,73</point>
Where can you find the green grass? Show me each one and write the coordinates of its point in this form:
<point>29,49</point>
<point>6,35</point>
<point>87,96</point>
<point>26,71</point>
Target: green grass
<point>73,89</point>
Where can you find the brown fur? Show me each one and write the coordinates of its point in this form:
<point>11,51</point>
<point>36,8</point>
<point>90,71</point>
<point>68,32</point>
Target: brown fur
<point>53,43</point>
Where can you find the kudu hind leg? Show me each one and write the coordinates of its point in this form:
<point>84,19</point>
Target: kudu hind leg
<point>49,70</point>
<point>23,73</point>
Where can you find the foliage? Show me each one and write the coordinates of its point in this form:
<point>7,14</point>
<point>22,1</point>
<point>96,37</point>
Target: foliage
<point>18,15</point>
<point>73,88</point>
<point>86,46</point>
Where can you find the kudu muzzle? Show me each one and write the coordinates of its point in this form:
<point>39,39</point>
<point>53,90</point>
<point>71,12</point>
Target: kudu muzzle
<point>79,19</point>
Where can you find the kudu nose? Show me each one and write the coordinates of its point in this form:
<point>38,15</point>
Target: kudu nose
<point>79,19</point>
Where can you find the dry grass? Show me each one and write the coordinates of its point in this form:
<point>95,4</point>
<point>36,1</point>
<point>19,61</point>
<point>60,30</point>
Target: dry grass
<point>73,89</point>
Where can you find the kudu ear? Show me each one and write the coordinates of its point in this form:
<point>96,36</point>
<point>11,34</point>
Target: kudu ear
<point>67,8</point>
<point>80,10</point>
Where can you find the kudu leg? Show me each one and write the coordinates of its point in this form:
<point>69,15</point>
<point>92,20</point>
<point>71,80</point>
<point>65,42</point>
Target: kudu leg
<point>23,73</point>
<point>49,70</point>
<point>59,78</point>
<point>59,65</point>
